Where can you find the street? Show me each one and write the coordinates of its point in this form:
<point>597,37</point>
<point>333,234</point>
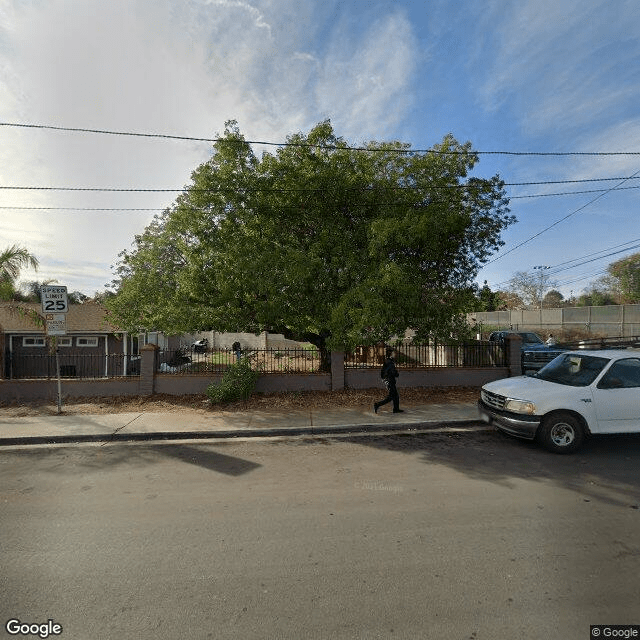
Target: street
<point>468,535</point>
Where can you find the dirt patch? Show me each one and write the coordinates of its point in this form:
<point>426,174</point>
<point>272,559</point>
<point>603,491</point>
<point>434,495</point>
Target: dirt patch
<point>279,401</point>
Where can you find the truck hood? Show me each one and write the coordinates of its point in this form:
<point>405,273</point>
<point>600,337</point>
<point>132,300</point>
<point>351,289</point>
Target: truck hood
<point>524,388</point>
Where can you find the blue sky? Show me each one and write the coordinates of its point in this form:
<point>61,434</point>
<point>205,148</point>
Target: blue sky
<point>538,75</point>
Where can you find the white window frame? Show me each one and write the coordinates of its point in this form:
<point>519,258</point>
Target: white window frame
<point>64,342</point>
<point>87,341</point>
<point>37,341</point>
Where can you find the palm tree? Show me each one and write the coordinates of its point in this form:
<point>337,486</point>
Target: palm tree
<point>12,260</point>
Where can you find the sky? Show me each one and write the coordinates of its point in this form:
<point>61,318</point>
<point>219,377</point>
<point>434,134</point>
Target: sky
<point>535,76</point>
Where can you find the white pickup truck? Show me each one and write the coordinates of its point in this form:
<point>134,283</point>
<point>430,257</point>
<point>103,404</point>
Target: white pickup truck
<point>577,394</point>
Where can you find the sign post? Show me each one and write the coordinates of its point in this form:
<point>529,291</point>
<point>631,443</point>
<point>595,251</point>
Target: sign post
<point>55,305</point>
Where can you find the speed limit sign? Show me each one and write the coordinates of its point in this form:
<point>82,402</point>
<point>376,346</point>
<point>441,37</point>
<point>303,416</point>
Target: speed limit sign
<point>54,299</point>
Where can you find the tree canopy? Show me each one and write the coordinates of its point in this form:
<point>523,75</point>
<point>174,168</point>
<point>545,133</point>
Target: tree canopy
<point>318,241</point>
<point>552,299</point>
<point>619,285</point>
<point>626,274</point>
<point>487,300</point>
<point>530,287</point>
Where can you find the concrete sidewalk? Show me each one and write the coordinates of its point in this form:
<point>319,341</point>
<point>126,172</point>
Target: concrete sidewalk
<point>179,426</point>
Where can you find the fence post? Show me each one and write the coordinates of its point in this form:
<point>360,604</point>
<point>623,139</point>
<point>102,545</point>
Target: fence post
<point>337,370</point>
<point>147,369</point>
<point>513,346</point>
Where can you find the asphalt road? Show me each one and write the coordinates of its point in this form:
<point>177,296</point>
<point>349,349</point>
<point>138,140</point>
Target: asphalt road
<point>472,536</point>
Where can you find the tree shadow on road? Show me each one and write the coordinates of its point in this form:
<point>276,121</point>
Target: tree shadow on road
<point>60,459</point>
<point>605,469</point>
<point>205,457</point>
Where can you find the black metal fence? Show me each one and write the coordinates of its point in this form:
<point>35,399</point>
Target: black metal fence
<point>84,366</point>
<point>188,362</point>
<point>298,361</point>
<point>470,354</point>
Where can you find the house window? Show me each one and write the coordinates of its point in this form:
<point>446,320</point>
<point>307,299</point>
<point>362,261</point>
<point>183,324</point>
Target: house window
<point>86,342</point>
<point>64,342</point>
<point>33,342</point>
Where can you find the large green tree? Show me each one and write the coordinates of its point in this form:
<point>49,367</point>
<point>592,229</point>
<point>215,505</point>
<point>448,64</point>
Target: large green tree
<point>318,241</point>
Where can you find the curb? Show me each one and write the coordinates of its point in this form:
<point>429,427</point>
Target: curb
<point>249,433</point>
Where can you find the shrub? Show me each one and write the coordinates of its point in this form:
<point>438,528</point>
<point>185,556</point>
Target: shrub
<point>238,383</point>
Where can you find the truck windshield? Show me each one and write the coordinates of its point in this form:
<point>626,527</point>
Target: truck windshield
<point>530,338</point>
<point>573,369</point>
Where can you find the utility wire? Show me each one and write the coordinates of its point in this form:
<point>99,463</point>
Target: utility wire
<point>533,195</point>
<point>82,209</point>
<point>319,190</point>
<point>583,259</point>
<point>308,145</point>
<point>557,222</point>
<point>607,255</point>
<point>570,193</point>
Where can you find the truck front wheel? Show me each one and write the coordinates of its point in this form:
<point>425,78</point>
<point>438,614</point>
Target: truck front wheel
<point>561,432</point>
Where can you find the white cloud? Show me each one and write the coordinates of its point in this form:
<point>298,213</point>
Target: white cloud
<point>177,67</point>
<point>257,17</point>
<point>555,59</point>
<point>367,84</point>
<point>619,137</point>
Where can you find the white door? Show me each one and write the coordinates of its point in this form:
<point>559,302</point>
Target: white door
<point>617,397</point>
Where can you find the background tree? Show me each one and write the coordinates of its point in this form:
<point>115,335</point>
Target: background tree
<point>488,300</point>
<point>12,260</point>
<point>552,299</point>
<point>77,297</point>
<point>626,273</point>
<point>530,287</point>
<point>510,301</point>
<point>101,297</point>
<point>595,297</point>
<point>31,290</point>
<point>318,241</point>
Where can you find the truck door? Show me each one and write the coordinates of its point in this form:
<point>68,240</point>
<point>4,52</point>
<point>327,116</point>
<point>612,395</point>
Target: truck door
<point>617,397</point>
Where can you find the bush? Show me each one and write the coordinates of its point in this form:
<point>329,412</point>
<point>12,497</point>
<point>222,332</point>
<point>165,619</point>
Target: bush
<point>238,383</point>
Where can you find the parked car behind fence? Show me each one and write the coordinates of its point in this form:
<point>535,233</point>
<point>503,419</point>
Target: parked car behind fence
<point>535,353</point>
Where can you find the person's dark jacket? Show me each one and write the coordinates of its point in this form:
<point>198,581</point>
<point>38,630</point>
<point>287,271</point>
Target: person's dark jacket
<point>389,371</point>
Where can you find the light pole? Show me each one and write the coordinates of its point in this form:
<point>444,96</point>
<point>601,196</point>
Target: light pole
<point>541,268</point>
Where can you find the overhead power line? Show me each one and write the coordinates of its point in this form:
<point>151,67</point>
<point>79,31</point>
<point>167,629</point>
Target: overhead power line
<point>607,255</point>
<point>316,146</point>
<point>533,195</point>
<point>557,222</point>
<point>571,193</point>
<point>82,208</point>
<point>586,259</point>
<point>321,190</point>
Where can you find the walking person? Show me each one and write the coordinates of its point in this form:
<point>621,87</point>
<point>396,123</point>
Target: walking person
<point>389,373</point>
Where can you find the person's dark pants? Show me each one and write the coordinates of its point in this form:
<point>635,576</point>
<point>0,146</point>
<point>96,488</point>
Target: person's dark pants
<point>392,395</point>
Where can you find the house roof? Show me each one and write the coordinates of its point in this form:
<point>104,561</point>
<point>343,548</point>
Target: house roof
<point>18,317</point>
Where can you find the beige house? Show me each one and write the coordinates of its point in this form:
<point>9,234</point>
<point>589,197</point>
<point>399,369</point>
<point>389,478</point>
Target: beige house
<point>92,346</point>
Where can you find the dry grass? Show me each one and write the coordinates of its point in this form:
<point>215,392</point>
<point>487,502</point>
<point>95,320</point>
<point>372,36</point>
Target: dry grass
<point>278,401</point>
